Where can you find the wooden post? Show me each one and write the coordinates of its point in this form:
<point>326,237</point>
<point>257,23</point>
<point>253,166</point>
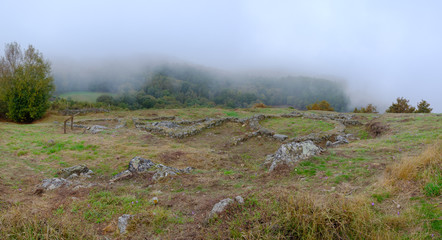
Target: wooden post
<point>65,126</point>
<point>72,122</point>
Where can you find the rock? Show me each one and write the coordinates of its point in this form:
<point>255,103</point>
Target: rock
<point>72,176</point>
<point>78,169</point>
<point>291,153</point>
<point>164,171</point>
<point>340,139</point>
<point>239,199</point>
<point>96,129</point>
<point>166,124</point>
<point>220,206</point>
<point>123,221</point>
<point>139,164</point>
<point>51,142</point>
<point>280,137</point>
<point>53,183</point>
<point>188,169</point>
<point>122,175</point>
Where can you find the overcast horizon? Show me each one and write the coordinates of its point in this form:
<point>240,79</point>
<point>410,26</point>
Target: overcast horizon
<point>383,50</point>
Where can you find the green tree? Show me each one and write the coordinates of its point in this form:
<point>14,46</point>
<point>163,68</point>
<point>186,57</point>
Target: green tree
<point>322,105</point>
<point>401,106</point>
<point>26,83</point>
<point>369,109</point>
<point>423,107</point>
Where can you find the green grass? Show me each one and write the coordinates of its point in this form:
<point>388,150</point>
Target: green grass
<point>84,96</point>
<point>294,127</point>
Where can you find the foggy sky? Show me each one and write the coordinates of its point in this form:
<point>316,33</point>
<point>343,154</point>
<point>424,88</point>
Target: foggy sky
<point>383,49</point>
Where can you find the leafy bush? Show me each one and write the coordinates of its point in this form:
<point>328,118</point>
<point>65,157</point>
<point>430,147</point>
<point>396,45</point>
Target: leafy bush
<point>423,107</point>
<point>105,99</point>
<point>369,109</point>
<point>401,106</point>
<point>322,105</point>
<point>25,82</point>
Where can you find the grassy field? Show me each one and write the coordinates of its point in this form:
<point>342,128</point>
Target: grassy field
<point>84,96</point>
<point>378,187</point>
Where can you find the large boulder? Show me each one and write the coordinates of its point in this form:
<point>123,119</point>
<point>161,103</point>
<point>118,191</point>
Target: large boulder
<point>291,153</point>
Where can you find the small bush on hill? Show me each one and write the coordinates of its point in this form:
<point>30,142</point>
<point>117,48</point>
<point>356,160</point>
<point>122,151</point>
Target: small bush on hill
<point>259,105</point>
<point>106,99</point>
<point>322,105</point>
<point>423,107</point>
<point>401,106</point>
<point>369,109</point>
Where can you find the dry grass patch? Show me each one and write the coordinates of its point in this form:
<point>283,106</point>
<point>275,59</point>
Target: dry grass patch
<point>422,167</point>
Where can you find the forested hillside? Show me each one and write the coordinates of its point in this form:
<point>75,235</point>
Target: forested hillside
<point>181,85</point>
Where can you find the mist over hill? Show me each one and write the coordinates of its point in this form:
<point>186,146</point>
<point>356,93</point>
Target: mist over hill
<point>150,83</point>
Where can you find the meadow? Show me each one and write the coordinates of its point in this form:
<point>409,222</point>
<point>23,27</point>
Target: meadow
<point>378,186</point>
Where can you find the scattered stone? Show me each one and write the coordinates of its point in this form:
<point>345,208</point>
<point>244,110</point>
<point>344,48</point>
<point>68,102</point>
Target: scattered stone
<point>53,183</point>
<point>122,175</point>
<point>123,221</point>
<point>220,206</point>
<point>51,142</point>
<point>72,176</point>
<point>96,129</point>
<point>139,164</point>
<point>291,153</point>
<point>166,124</point>
<point>239,199</point>
<point>340,139</point>
<point>78,170</point>
<point>280,137</point>
<point>164,171</point>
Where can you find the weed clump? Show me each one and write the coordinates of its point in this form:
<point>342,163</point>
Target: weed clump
<point>259,105</point>
<point>376,128</point>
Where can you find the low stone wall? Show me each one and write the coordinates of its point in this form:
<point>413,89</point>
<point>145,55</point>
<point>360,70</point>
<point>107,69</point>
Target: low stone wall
<point>70,112</point>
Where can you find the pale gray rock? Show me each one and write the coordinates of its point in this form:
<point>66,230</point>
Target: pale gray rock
<point>239,199</point>
<point>53,183</point>
<point>123,221</point>
<point>291,153</point>
<point>220,206</point>
<point>96,129</point>
<point>280,137</point>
